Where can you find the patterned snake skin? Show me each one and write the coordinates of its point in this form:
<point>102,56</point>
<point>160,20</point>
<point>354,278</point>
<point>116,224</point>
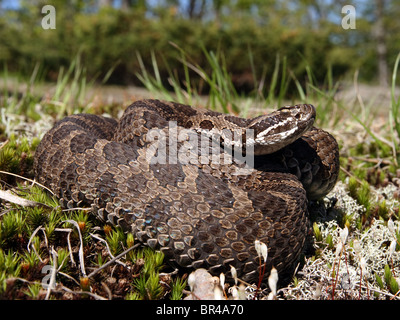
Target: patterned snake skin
<point>198,185</point>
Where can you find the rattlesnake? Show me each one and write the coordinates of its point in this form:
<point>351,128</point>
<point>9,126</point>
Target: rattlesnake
<point>156,173</point>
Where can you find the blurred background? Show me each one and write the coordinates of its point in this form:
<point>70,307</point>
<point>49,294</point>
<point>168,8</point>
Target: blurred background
<point>114,39</point>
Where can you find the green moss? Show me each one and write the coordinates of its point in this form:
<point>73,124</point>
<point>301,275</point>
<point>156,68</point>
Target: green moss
<point>38,194</point>
<point>382,210</point>
<point>364,195</point>
<point>54,220</point>
<point>62,259</point>
<point>148,286</point>
<point>16,156</point>
<point>116,240</point>
<point>390,280</point>
<point>153,260</point>
<point>11,228</point>
<point>352,186</point>
<point>177,287</point>
<point>33,290</point>
<point>30,260</point>
<point>82,217</point>
<point>134,295</point>
<point>9,267</point>
<point>36,217</point>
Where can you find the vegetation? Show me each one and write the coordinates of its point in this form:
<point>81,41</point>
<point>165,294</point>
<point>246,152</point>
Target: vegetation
<point>307,33</point>
<point>47,252</point>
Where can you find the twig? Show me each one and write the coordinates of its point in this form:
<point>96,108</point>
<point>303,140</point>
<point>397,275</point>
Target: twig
<point>350,174</point>
<point>377,161</point>
<point>69,277</point>
<point>96,296</point>
<point>52,283</point>
<point>69,230</point>
<point>108,248</point>
<point>107,289</point>
<point>112,260</point>
<point>76,209</point>
<point>8,196</point>
<point>81,258</point>
<point>105,243</point>
<point>30,240</point>
<point>247,284</point>
<point>260,277</point>
<point>27,179</point>
<point>176,270</point>
<point>392,296</point>
<point>4,144</point>
<point>32,235</point>
<point>396,295</point>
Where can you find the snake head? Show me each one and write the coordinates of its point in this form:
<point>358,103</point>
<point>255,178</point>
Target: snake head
<point>281,127</point>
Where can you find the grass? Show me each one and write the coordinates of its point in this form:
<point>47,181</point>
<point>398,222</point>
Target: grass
<point>93,262</point>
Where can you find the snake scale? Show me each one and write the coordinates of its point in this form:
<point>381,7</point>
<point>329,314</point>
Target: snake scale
<point>200,206</point>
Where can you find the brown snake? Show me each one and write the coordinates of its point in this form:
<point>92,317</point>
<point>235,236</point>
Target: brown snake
<point>197,185</point>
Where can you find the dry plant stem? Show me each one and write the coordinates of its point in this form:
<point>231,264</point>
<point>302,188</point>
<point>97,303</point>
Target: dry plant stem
<point>377,161</point>
<point>366,282</point>
<point>70,249</point>
<point>30,180</point>
<point>31,237</point>
<point>355,177</point>
<point>77,209</point>
<point>9,197</point>
<point>69,230</point>
<point>337,273</point>
<point>108,248</point>
<point>335,279</point>
<point>4,144</point>
<point>359,293</point>
<point>350,174</point>
<point>260,277</point>
<point>112,260</point>
<point>30,240</point>
<point>381,292</point>
<point>68,276</point>
<point>396,295</point>
<point>107,289</point>
<point>169,273</point>
<point>81,259</point>
<point>96,296</point>
<point>391,261</point>
<point>246,283</point>
<point>52,283</point>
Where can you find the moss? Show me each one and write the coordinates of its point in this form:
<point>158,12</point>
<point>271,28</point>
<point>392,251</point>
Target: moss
<point>177,287</point>
<point>368,163</point>
<point>148,286</point>
<point>12,228</point>
<point>16,156</point>
<point>116,240</point>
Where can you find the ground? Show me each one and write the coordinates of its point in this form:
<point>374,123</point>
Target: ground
<point>356,227</point>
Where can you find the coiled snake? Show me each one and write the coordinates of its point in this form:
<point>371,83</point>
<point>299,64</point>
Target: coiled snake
<point>198,185</point>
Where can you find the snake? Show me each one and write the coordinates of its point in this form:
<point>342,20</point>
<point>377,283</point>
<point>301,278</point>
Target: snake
<point>200,186</point>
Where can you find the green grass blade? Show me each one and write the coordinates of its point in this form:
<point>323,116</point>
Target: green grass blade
<point>395,103</point>
<point>274,80</point>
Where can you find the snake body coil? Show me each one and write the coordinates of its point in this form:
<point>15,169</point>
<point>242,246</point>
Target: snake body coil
<point>168,173</point>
